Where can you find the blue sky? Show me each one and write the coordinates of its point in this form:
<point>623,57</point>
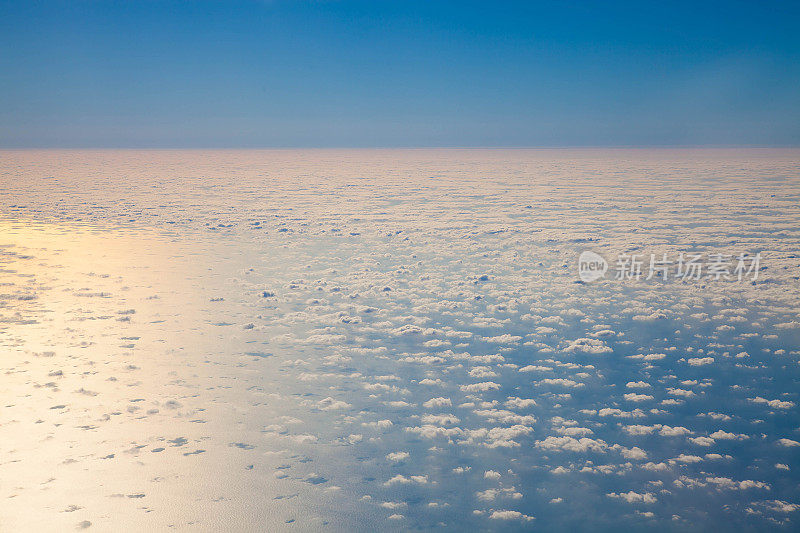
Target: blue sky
<point>329,74</point>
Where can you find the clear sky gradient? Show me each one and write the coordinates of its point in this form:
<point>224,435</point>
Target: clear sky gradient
<point>350,74</point>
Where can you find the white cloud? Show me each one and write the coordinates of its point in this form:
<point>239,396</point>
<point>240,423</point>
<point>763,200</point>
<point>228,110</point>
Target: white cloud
<point>480,387</point>
<point>519,403</point>
<point>572,445</point>
<point>510,515</point>
<point>330,404</point>
<point>775,404</point>
<point>437,402</point>
<point>588,345</point>
<point>400,479</point>
<point>634,497</point>
<point>397,456</point>
<point>633,397</point>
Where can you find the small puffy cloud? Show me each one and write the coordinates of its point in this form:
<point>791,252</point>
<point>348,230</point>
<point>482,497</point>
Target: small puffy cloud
<point>780,506</point>
<point>489,495</point>
<point>400,479</point>
<point>775,404</point>
<point>716,416</point>
<point>519,403</point>
<point>437,402</point>
<point>561,382</point>
<point>702,441</point>
<point>480,387</point>
<point>681,392</point>
<point>723,435</point>
<point>440,420</point>
<point>397,456</point>
<point>588,345</point>
<point>535,368</point>
<point>510,515</point>
<point>636,429</point>
<point>379,424</point>
<point>676,431</point>
<point>482,372</point>
<point>730,484</point>
<point>330,404</point>
<point>610,411</point>
<point>633,397</point>
<point>571,444</point>
<point>436,343</point>
<point>393,505</point>
<point>687,459</point>
<point>634,497</point>
<point>430,431</point>
<point>634,453</point>
<point>505,417</point>
<point>648,357</point>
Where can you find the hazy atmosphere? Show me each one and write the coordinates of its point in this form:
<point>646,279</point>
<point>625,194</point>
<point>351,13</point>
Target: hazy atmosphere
<point>399,266</point>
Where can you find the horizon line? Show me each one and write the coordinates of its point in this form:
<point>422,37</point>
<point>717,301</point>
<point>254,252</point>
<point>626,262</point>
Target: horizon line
<point>417,147</point>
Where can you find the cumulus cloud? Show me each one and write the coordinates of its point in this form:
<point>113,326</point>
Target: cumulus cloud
<point>437,402</point>
<point>441,420</point>
<point>535,368</point>
<point>510,515</point>
<point>680,392</point>
<point>702,441</point>
<point>775,404</point>
<point>634,453</point>
<point>588,345</point>
<point>489,495</point>
<point>331,404</point>
<point>519,403</point>
<point>723,435</point>
<point>561,382</point>
<point>648,357</point>
<point>480,387</point>
<point>634,497</point>
<point>572,444</point>
<point>633,397</point>
<point>397,456</point>
<point>400,479</point>
<point>619,413</point>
